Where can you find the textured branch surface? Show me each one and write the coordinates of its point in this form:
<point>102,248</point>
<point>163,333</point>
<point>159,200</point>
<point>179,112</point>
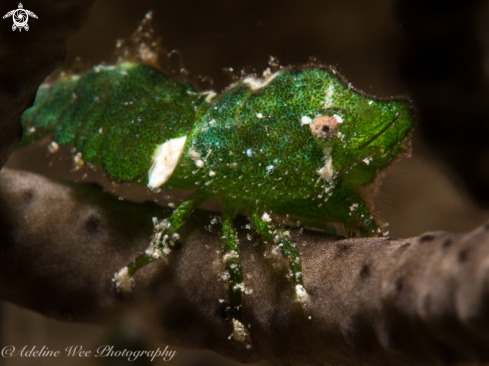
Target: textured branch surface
<point>372,301</point>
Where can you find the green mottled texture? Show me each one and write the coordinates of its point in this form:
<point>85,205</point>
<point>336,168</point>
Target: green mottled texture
<point>275,159</point>
<point>116,116</point>
<point>50,101</point>
<point>231,252</point>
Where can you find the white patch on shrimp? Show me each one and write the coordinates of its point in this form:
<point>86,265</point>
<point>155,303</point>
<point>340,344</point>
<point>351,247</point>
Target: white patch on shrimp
<point>165,160</point>
<point>199,163</point>
<point>229,255</point>
<point>266,217</point>
<point>239,331</point>
<point>258,83</point>
<point>338,118</point>
<point>301,294</point>
<point>53,147</point>
<point>158,247</point>
<point>210,95</point>
<point>78,161</point>
<point>306,120</point>
<point>328,100</point>
<point>101,67</point>
<point>367,160</point>
<point>194,154</point>
<point>327,171</point>
<point>243,288</point>
<point>123,282</point>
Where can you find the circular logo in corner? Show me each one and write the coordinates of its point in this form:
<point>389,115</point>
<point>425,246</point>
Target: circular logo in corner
<point>20,17</point>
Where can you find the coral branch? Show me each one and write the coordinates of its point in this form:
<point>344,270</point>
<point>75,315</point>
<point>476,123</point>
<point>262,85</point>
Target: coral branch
<point>371,301</point>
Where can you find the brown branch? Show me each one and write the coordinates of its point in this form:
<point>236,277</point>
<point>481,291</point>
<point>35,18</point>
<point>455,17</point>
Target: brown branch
<point>372,301</point>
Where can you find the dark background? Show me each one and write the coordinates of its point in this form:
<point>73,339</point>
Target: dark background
<point>433,50</point>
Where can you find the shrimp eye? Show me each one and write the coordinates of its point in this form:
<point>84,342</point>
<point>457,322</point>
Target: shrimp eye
<point>324,127</point>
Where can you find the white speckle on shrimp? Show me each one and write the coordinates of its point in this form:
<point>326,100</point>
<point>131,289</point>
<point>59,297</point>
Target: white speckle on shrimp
<point>306,120</point>
<point>123,282</point>
<point>256,84</point>
<point>194,154</point>
<point>53,147</point>
<point>229,255</point>
<point>328,100</point>
<point>327,171</point>
<point>239,331</point>
<point>78,161</point>
<point>353,207</point>
<point>338,118</point>
<point>301,294</point>
<point>199,163</point>
<point>210,96</point>
<point>266,217</point>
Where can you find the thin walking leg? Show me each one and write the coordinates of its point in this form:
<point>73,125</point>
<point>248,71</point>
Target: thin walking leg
<point>164,237</point>
<point>231,259</point>
<point>280,237</point>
